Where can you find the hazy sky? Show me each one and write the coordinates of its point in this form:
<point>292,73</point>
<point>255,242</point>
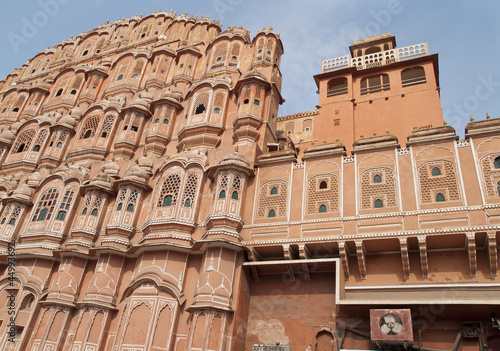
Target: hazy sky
<point>465,34</point>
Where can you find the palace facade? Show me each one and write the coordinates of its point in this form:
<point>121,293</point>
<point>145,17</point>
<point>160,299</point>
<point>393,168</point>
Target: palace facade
<point>154,200</point>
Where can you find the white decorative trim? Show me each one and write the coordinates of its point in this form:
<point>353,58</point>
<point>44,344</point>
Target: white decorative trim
<point>298,165</point>
<point>374,216</point>
<point>348,159</point>
<point>403,151</point>
<point>462,143</point>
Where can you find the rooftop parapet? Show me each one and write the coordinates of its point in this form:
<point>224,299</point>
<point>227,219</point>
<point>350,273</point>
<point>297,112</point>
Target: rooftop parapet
<point>376,59</point>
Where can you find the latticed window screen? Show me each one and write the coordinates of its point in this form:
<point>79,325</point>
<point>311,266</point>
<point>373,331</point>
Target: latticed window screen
<point>276,202</point>
<point>491,174</point>
<point>235,50</point>
<point>108,124</point>
<point>428,183</point>
<point>201,99</point>
<point>24,139</point>
<point>170,188</point>
<point>41,137</point>
<point>45,207</point>
<point>11,217</point>
<point>371,188</point>
<point>190,190</point>
<point>220,53</point>
<point>317,195</point>
<point>90,124</point>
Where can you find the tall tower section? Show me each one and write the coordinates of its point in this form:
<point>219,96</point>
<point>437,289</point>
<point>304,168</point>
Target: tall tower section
<point>378,89</point>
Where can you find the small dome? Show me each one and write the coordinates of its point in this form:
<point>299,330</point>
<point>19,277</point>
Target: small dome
<point>68,120</point>
<point>7,135</point>
<point>136,172</point>
<point>235,157</point>
<point>111,168</point>
<point>23,192</point>
<point>173,93</point>
<point>145,162</point>
<point>142,100</point>
<point>34,179</point>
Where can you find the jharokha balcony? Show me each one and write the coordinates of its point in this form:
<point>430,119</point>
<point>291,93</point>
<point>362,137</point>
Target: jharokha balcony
<point>375,59</point>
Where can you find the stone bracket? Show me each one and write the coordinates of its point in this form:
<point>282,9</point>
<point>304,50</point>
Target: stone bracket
<point>288,252</point>
<point>424,263</point>
<point>471,250</point>
<point>403,243</point>
<point>492,253</point>
<point>344,255</point>
<point>361,253</point>
<point>304,252</point>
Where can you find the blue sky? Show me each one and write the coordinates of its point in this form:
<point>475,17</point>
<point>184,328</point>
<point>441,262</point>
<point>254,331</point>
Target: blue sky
<point>465,34</point>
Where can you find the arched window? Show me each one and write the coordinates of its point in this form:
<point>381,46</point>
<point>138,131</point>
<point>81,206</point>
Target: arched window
<point>386,47</point>
<point>274,190</point>
<point>165,121</point>
<point>167,201</point>
<point>11,222</point>
<point>271,213</point>
<point>169,191</point>
<point>130,208</point>
<point>157,120</point>
<point>36,148</point>
<point>322,208</point>
<point>61,215</point>
<point>359,52</point>
<point>15,109</point>
<point>73,92</point>
<point>222,194</point>
<point>187,203</point>
<point>27,302</point>
<point>379,203</point>
<point>24,141</point>
<point>440,197</point>
<point>323,185</point>
<point>496,162</point>
<point>20,148</point>
<point>372,50</point>
<point>436,171</point>
<point>84,211</point>
<point>234,195</point>
<point>377,178</point>
<point>246,101</point>
<point>217,110</point>
<point>59,144</point>
<point>87,134</point>
<point>413,76</point>
<point>119,207</point>
<point>375,84</point>
<point>59,92</point>
<point>46,205</point>
<point>42,215</point>
<point>337,86</point>
<point>120,77</point>
<point>94,212</point>
<point>199,109</point>
<point>3,220</point>
<point>256,102</point>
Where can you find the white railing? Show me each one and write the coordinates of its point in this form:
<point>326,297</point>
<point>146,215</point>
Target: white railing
<point>376,59</point>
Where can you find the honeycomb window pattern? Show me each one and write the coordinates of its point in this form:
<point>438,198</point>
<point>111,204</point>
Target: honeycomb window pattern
<point>316,196</point>
<point>91,125</point>
<point>170,187</point>
<point>41,137</point>
<point>220,53</point>
<point>276,202</point>
<point>371,189</point>
<point>23,140</point>
<point>491,175</point>
<point>190,190</point>
<point>428,183</point>
<point>201,100</point>
<point>108,124</point>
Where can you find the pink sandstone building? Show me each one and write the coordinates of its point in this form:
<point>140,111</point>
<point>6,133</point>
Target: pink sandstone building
<point>154,200</point>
